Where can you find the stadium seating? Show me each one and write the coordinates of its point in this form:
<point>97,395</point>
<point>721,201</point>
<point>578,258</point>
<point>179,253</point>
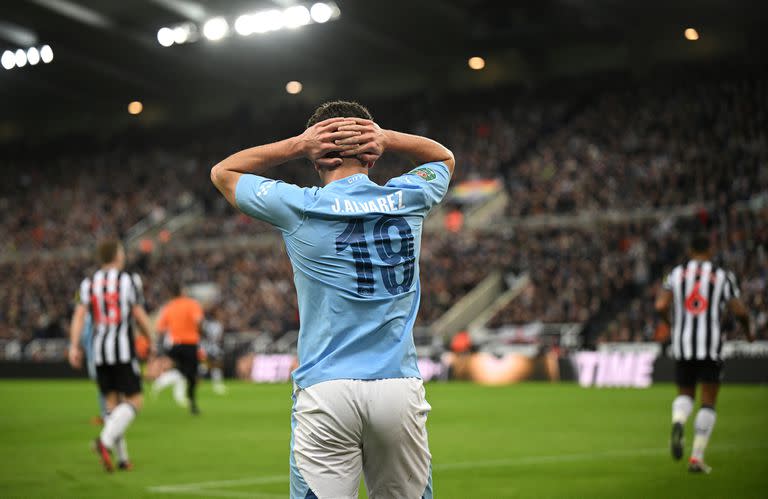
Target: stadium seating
<point>555,158</point>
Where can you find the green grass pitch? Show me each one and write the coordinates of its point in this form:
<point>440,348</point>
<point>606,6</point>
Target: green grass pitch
<point>532,440</point>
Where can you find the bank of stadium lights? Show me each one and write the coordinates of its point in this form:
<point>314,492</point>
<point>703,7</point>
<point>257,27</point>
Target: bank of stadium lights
<point>249,24</point>
<point>179,34</point>
<point>33,56</point>
<point>215,29</point>
<point>691,34</point>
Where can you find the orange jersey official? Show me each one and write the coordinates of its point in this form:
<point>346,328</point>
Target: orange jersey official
<point>180,319</point>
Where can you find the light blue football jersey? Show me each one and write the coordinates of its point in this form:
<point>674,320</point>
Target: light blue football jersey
<point>354,246</point>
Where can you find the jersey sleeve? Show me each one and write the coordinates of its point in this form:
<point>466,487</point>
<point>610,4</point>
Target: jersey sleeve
<point>731,290</point>
<point>668,284</point>
<point>432,179</point>
<point>272,201</point>
<point>138,289</point>
<point>84,293</point>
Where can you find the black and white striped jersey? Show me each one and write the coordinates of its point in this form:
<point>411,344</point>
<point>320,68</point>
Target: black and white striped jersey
<point>700,290</point>
<point>110,295</point>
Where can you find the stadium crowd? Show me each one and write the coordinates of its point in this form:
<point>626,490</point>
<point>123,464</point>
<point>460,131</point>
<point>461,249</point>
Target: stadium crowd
<point>699,143</point>
<point>651,148</point>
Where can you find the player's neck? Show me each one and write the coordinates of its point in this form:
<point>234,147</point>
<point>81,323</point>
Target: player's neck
<point>110,266</point>
<point>701,257</point>
<point>343,171</point>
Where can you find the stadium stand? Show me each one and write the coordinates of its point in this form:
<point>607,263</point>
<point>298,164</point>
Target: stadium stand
<point>689,144</point>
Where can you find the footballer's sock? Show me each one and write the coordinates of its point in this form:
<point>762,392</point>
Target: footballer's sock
<point>217,377</point>
<point>121,447</point>
<point>705,422</point>
<point>191,385</point>
<point>168,378</point>
<point>116,424</point>
<point>103,407</point>
<point>179,389</point>
<point>682,407</point>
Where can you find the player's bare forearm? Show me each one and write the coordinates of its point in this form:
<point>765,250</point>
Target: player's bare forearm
<point>741,314</point>
<point>76,326</point>
<point>142,319</point>
<point>75,355</point>
<point>314,143</point>
<point>747,326</point>
<point>661,306</point>
<point>256,160</point>
<point>419,149</point>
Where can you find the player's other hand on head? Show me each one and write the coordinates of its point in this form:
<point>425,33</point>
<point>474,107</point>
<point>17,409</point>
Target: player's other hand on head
<point>75,357</point>
<point>320,139</point>
<point>369,145</point>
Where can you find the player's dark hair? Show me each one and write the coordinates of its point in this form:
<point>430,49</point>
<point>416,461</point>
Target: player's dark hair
<point>339,109</point>
<point>700,242</point>
<point>106,251</point>
<point>176,288</point>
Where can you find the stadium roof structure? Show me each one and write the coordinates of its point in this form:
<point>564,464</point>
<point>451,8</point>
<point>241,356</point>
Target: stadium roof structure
<point>107,52</point>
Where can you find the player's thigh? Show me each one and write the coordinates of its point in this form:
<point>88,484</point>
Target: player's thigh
<point>396,457</point>
<point>106,380</point>
<point>187,360</point>
<point>710,375</point>
<point>326,441</point>
<point>128,379</point>
<point>686,375</point>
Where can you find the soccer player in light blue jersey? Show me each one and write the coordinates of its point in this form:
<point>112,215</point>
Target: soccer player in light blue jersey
<point>359,403</point>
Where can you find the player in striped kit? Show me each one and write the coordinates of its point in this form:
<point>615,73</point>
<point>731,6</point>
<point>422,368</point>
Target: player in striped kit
<point>699,292</point>
<point>113,299</point>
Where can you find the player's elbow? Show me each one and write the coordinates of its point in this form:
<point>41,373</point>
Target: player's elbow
<point>450,160</point>
<point>216,174</point>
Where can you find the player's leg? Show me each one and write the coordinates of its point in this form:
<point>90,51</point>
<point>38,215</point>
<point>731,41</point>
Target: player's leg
<point>177,357</point>
<point>217,372</point>
<point>123,414</point>
<point>396,457</point>
<point>191,366</point>
<point>170,377</point>
<point>682,405</point>
<point>105,379</point>
<point>706,416</point>
<point>326,437</point>
<point>123,459</point>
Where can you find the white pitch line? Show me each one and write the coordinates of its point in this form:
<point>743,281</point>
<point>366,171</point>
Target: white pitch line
<point>564,458</point>
<point>225,493</point>
<point>204,488</point>
<point>182,487</point>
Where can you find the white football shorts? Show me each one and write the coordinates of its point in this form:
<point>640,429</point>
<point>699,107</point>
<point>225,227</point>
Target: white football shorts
<point>342,428</point>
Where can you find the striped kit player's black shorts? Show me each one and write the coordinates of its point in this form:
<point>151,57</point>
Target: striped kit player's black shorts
<point>690,372</point>
<point>120,378</point>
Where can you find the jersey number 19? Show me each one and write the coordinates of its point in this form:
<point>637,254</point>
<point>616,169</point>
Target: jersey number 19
<point>353,237</point>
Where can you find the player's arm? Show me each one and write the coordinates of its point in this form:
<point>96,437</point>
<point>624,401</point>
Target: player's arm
<point>662,304</point>
<point>142,320</point>
<point>316,141</point>
<point>740,313</point>
<point>373,141</point>
<point>75,330</point>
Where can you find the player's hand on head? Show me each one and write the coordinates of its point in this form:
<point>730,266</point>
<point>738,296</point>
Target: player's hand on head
<point>320,140</point>
<point>369,145</point>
